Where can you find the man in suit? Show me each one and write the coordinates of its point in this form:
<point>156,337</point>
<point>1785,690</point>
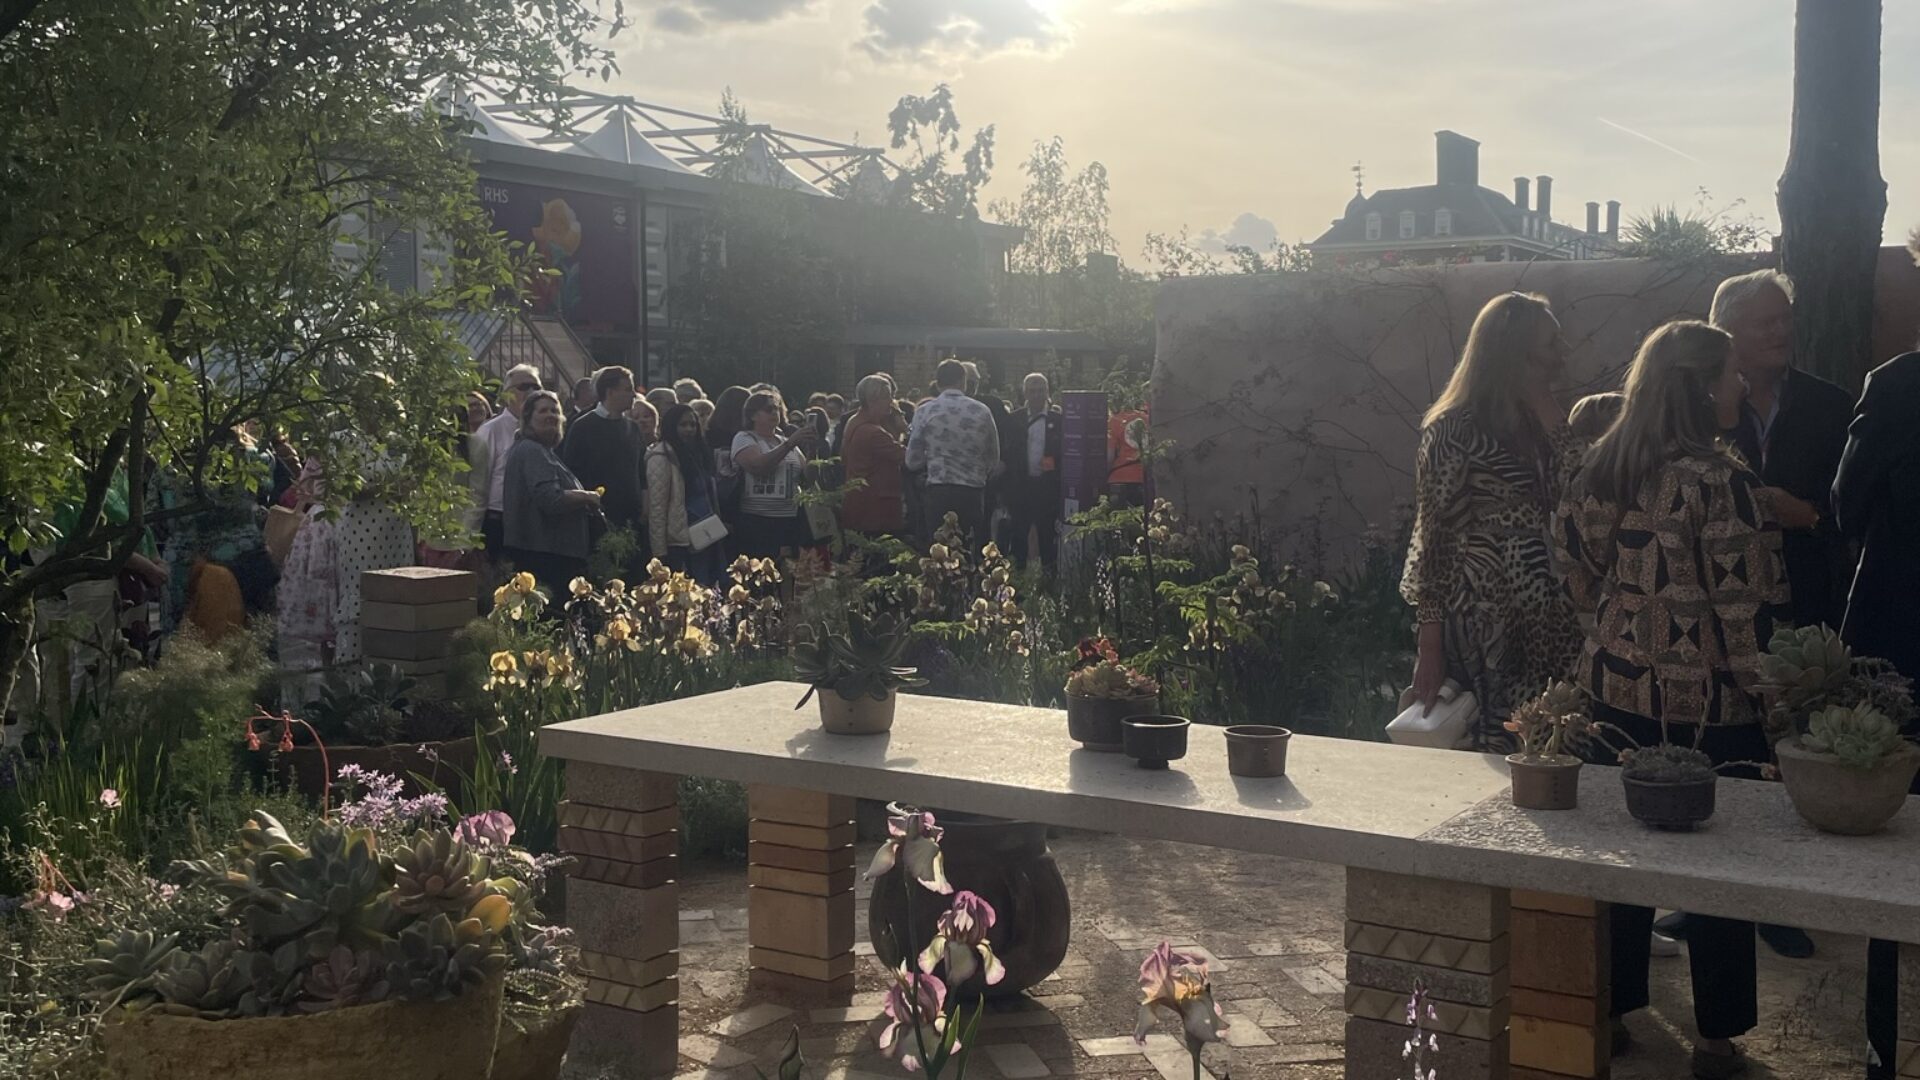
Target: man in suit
<point>1032,472</point>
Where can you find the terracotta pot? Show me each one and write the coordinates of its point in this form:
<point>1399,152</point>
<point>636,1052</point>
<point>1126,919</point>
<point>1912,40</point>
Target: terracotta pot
<point>439,1040</point>
<point>1257,750</point>
<point>533,1050</point>
<point>1152,741</point>
<point>861,716</point>
<point>1008,864</point>
<point>1841,799</point>
<point>1094,722</point>
<point>1545,781</point>
<point>1676,806</point>
<point>300,767</point>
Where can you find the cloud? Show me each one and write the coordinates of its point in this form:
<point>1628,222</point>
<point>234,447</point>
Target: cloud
<point>1248,230</point>
<point>702,16</point>
<point>897,29</point>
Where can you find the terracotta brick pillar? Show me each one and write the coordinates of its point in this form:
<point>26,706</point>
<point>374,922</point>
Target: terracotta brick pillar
<point>1561,987</point>
<point>622,826</point>
<point>800,875</point>
<point>1450,936</point>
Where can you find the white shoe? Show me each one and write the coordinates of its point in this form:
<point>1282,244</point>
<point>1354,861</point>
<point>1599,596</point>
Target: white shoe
<point>1661,945</point>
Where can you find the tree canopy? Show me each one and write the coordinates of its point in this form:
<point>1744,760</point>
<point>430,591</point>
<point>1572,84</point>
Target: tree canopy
<point>195,198</point>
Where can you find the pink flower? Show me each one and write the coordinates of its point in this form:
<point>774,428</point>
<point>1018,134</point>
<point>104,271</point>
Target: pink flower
<point>960,933</point>
<point>913,844</point>
<point>1177,983</point>
<point>55,904</point>
<point>110,799</point>
<point>489,827</point>
<point>911,1016</point>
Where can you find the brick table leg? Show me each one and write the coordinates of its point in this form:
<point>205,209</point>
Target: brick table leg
<point>1562,987</point>
<point>622,828</point>
<point>1909,1046</point>
<point>800,874</point>
<point>1452,938</point>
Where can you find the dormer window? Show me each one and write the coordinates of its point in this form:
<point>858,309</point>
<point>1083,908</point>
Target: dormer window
<point>1373,226</point>
<point>1406,224</point>
<point>1443,222</point>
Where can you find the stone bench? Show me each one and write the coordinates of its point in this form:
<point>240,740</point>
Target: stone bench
<point>1501,912</point>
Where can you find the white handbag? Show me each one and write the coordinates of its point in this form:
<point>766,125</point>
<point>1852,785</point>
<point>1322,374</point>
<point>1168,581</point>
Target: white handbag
<point>706,532</point>
<point>1444,728</point>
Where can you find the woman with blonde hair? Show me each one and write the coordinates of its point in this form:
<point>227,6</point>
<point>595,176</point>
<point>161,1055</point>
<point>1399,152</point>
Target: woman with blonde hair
<point>1667,537</point>
<point>1494,457</point>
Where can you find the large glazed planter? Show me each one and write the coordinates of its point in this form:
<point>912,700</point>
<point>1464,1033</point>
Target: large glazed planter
<point>1094,722</point>
<point>533,1050</point>
<point>1841,799</point>
<point>1008,864</point>
<point>439,1040</point>
<point>300,767</point>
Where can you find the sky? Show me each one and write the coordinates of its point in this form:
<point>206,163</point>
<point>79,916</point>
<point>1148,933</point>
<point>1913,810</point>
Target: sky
<point>1240,120</point>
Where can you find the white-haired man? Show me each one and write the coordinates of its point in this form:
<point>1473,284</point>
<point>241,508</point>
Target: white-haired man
<point>688,391</point>
<point>498,435</point>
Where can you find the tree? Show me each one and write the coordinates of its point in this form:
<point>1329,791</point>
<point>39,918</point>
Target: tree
<point>1833,201</point>
<point>196,199</point>
<point>930,126</point>
<point>1176,255</point>
<point>1065,217</point>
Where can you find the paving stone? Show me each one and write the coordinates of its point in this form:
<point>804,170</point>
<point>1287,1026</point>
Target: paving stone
<point>696,915</point>
<point>863,948</point>
<point>702,932</point>
<point>719,984</point>
<point>1292,1053</point>
<point>1262,1011</point>
<point>1000,1021</point>
<point>855,1014</point>
<point>713,1074</point>
<point>1315,979</point>
<point>1176,1065</point>
<point>1241,1033</point>
<point>730,920</point>
<point>1124,1044</point>
<point>711,1052</point>
<point>750,1020</point>
<point>1058,1001</point>
<point>1214,963</point>
<point>1016,1061</point>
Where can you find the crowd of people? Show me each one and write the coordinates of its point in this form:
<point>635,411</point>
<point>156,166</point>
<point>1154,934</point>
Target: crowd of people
<point>1646,546</point>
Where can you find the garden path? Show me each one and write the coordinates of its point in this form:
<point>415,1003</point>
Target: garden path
<point>1274,927</point>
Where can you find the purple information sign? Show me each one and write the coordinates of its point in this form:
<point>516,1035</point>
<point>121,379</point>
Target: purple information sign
<point>1083,448</point>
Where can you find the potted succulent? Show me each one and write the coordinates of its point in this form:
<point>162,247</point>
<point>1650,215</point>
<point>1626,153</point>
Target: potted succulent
<point>332,957</point>
<point>1102,692</point>
<point>856,673</point>
<point>1669,787</point>
<point>1545,775</point>
<point>1838,718</point>
<point>370,716</point>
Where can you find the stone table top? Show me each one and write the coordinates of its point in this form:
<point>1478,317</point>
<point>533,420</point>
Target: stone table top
<point>1431,813</point>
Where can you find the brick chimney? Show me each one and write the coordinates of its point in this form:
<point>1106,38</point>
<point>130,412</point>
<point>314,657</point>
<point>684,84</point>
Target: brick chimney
<point>1593,219</point>
<point>1457,159</point>
<point>1613,218</point>
<point>1521,186</point>
<point>1544,185</point>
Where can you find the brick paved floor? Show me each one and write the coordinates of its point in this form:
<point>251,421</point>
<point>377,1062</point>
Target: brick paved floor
<point>1274,928</point>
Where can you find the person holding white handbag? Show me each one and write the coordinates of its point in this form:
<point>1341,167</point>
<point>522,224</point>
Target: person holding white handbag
<point>683,505</point>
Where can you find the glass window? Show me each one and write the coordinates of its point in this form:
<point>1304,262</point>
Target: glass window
<point>1373,226</point>
<point>1406,224</point>
<point>1443,222</point>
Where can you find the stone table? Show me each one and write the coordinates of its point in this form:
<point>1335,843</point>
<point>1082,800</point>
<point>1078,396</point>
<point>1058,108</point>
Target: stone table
<point>1499,911</point>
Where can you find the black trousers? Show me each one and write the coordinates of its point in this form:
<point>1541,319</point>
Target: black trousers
<point>1040,512</point>
<point>1720,952</point>
<point>969,503</point>
<point>552,572</point>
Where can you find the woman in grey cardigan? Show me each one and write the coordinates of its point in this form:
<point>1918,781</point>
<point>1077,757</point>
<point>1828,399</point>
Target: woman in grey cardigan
<point>546,511</point>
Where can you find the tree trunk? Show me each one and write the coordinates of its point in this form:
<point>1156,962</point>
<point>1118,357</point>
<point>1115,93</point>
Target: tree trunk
<point>1832,198</point>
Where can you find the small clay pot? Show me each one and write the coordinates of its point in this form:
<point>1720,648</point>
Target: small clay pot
<point>1257,750</point>
<point>1545,781</point>
<point>1094,722</point>
<point>862,715</point>
<point>1675,806</point>
<point>1152,741</point>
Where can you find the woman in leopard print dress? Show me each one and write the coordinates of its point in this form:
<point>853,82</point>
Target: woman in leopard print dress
<point>1495,456</point>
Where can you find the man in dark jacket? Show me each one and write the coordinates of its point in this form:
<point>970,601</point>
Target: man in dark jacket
<point>1032,472</point>
<point>604,449</point>
<point>1876,498</point>
<point>1791,432</point>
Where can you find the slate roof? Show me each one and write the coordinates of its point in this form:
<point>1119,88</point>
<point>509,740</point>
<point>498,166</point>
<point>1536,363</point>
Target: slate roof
<point>1477,211</point>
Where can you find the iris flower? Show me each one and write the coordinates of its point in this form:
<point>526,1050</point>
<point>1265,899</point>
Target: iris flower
<point>913,843</point>
<point>1176,982</point>
<point>912,1017</point>
<point>960,933</point>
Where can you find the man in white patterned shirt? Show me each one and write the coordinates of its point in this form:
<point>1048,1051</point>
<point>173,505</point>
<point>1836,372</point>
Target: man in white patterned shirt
<point>955,443</point>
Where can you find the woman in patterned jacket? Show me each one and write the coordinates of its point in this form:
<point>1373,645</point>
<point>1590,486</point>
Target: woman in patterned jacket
<point>1667,537</point>
<point>1494,456</point>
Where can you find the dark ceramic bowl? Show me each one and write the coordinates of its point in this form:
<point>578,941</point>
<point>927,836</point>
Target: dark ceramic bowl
<point>1152,741</point>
